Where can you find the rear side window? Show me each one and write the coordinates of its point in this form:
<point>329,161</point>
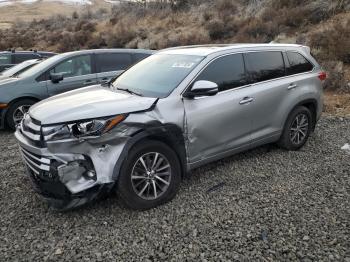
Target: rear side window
<point>262,66</point>
<point>5,59</point>
<point>298,64</point>
<point>19,58</point>
<point>112,62</point>
<point>227,72</point>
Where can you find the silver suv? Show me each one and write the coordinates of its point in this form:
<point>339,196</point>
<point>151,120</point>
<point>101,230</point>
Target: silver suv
<point>174,111</point>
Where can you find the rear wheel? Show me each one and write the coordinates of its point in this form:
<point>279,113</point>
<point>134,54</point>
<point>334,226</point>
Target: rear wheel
<point>17,111</point>
<point>297,129</point>
<point>150,176</point>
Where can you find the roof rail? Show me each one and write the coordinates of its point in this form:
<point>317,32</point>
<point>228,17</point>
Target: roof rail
<point>195,46</point>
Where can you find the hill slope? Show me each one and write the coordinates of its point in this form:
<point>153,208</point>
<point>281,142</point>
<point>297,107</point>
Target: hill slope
<point>12,11</point>
<point>324,25</point>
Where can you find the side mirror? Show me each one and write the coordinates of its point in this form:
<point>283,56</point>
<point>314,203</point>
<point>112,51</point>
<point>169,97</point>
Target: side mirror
<point>202,88</point>
<point>56,78</point>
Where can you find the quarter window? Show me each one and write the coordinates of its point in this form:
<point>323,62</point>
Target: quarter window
<point>227,72</point>
<point>298,64</point>
<point>76,66</point>
<point>112,62</point>
<point>262,66</point>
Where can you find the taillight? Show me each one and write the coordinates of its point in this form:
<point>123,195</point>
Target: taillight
<point>322,76</point>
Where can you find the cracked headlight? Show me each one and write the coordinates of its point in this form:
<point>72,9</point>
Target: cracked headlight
<point>88,128</point>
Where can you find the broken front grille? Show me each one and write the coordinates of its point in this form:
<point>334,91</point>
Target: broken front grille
<point>35,162</point>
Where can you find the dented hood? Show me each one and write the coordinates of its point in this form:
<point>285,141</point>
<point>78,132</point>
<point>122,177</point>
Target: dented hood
<point>87,103</point>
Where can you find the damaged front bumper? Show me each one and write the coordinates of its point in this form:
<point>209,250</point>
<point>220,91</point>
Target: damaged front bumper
<point>70,173</point>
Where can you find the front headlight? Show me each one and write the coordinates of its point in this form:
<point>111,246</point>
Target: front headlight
<point>95,127</point>
<point>86,128</point>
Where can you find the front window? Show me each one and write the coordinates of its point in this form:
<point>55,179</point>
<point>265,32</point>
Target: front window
<point>157,75</point>
<point>5,59</point>
<point>76,66</point>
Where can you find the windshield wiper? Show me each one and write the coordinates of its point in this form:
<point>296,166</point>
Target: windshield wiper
<point>129,91</point>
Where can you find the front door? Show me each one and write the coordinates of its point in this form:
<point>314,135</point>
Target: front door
<point>218,124</point>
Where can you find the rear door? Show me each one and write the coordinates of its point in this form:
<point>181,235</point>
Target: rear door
<point>220,123</point>
<point>269,86</point>
<point>109,65</point>
<point>78,72</point>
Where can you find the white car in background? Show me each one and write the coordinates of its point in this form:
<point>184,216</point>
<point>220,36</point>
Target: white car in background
<point>20,68</point>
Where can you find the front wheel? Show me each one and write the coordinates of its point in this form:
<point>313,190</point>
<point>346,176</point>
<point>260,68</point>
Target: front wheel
<point>297,129</point>
<point>17,111</point>
<point>150,176</point>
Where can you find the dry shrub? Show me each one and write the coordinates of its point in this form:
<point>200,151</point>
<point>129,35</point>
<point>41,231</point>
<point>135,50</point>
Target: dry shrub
<point>333,43</point>
<point>120,35</point>
<point>335,76</point>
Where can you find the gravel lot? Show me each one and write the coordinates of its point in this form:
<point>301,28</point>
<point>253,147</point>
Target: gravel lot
<point>266,204</point>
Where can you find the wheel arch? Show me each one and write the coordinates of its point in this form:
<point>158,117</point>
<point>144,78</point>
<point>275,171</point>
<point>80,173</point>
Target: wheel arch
<point>310,104</point>
<point>36,99</point>
<point>169,134</point>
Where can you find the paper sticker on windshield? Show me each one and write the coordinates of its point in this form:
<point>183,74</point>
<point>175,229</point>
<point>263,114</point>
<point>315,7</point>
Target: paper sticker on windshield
<point>183,65</point>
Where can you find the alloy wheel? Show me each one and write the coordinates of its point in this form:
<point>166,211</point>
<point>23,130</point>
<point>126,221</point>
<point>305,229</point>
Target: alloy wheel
<point>19,113</point>
<point>151,176</point>
<point>299,129</point>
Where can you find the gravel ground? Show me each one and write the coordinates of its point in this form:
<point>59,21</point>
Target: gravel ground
<point>266,204</point>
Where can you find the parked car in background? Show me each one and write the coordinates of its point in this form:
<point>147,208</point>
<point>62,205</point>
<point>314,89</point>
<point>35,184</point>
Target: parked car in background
<point>174,111</point>
<point>62,73</point>
<point>18,69</point>
<point>11,58</point>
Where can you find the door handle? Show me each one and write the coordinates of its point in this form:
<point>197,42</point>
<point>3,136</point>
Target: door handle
<point>246,100</point>
<point>292,86</point>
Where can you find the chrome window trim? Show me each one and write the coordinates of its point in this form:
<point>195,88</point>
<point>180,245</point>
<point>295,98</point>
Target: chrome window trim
<point>248,85</point>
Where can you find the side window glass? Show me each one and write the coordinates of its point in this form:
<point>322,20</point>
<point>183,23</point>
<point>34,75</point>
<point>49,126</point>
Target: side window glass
<point>298,64</point>
<point>262,66</point>
<point>227,72</point>
<point>112,62</point>
<point>76,66</point>
<point>42,77</point>
<point>5,59</point>
<point>19,58</point>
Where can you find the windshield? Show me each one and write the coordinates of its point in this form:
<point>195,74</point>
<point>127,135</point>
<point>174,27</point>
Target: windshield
<point>157,75</point>
<point>5,59</point>
<point>41,66</point>
<point>17,69</point>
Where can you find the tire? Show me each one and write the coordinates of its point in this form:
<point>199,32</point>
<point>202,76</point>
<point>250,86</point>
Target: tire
<point>132,186</point>
<point>17,108</point>
<point>297,129</point>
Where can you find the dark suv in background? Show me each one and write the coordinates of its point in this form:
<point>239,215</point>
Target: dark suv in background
<point>59,74</point>
<point>11,58</point>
